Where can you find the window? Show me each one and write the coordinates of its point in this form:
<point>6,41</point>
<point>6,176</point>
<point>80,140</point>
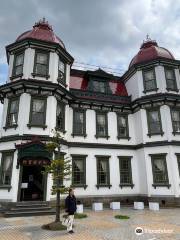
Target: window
<point>103,175</point>
<point>59,171</point>
<point>60,116</point>
<point>6,168</point>
<point>61,71</point>
<point>149,78</point>
<point>178,162</point>
<point>12,113</point>
<point>101,124</point>
<point>79,122</point>
<point>122,125</point>
<point>175,115</point>
<point>38,111</point>
<point>79,170</point>
<point>18,64</point>
<point>170,79</point>
<point>41,63</point>
<point>154,122</point>
<point>125,171</point>
<point>159,169</point>
<point>99,86</point>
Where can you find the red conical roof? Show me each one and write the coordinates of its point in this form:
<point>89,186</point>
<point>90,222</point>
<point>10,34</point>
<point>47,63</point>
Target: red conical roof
<point>41,31</point>
<point>150,50</point>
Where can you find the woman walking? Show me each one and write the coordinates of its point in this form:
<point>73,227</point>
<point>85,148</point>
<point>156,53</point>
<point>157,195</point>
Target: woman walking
<point>70,205</point>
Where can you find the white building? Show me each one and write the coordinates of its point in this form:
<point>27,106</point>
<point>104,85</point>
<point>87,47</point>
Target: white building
<point>123,133</point>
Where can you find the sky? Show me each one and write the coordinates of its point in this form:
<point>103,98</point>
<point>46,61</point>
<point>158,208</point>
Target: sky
<point>98,32</point>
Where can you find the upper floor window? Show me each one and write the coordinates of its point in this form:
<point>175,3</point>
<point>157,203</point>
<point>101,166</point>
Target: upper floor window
<point>159,169</point>
<point>103,173</point>
<point>175,114</point>
<point>79,122</point>
<point>154,122</point>
<point>41,63</point>
<point>12,112</point>
<point>125,171</point>
<point>6,168</point>
<point>79,170</point>
<point>122,125</point>
<point>18,64</point>
<point>61,72</point>
<point>101,124</point>
<point>60,116</point>
<point>38,112</point>
<point>99,86</point>
<point>170,78</point>
<point>149,79</point>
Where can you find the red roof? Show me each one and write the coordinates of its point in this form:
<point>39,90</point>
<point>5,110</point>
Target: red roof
<point>41,31</point>
<point>79,81</point>
<point>150,50</point>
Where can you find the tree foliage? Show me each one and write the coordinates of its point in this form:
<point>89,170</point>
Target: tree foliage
<point>59,168</point>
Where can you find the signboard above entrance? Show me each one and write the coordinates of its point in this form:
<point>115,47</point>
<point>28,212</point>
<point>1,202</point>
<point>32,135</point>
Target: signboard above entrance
<point>35,162</point>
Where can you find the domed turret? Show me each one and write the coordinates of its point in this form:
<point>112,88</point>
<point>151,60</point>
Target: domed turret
<point>41,31</point>
<point>150,50</point>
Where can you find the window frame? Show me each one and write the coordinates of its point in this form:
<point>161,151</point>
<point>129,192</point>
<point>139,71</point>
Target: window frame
<point>178,162</point>
<point>144,82</point>
<point>166,68</point>
<point>106,124</point>
<point>30,124</point>
<point>148,121</point>
<point>63,105</point>
<point>83,159</point>
<point>63,82</point>
<point>74,133</point>
<point>3,154</point>
<point>10,100</point>
<point>171,110</point>
<point>100,81</point>
<point>155,182</point>
<point>14,75</point>
<point>128,158</point>
<point>118,115</point>
<point>35,63</point>
<point>106,159</point>
<point>61,180</point>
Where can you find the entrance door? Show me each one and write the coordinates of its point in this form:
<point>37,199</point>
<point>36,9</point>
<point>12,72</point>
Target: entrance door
<point>32,184</point>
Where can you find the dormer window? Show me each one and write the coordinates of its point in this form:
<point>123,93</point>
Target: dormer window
<point>170,78</point>
<point>41,63</point>
<point>99,86</point>
<point>61,72</point>
<point>18,64</point>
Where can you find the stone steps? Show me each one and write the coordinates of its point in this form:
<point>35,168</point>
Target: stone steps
<point>24,209</point>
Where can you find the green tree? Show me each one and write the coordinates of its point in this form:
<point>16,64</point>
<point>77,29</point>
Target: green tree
<point>60,168</point>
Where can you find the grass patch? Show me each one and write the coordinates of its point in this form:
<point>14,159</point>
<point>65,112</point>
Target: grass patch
<point>77,215</point>
<point>80,215</point>
<point>54,226</point>
<point>121,217</point>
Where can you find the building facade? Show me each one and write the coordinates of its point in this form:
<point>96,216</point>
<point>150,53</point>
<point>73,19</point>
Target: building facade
<point>122,133</point>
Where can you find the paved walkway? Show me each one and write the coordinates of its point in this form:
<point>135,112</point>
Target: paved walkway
<point>98,226</point>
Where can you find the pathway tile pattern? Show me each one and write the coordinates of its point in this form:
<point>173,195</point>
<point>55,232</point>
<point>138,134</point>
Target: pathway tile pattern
<point>98,226</point>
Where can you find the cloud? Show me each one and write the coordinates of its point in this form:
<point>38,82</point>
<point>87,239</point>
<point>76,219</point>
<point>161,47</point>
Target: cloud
<point>99,32</point>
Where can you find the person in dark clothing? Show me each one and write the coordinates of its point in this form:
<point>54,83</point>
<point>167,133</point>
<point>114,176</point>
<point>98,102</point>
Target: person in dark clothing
<point>70,206</point>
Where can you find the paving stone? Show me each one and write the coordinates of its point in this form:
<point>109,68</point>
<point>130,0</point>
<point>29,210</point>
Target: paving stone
<point>98,226</point>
